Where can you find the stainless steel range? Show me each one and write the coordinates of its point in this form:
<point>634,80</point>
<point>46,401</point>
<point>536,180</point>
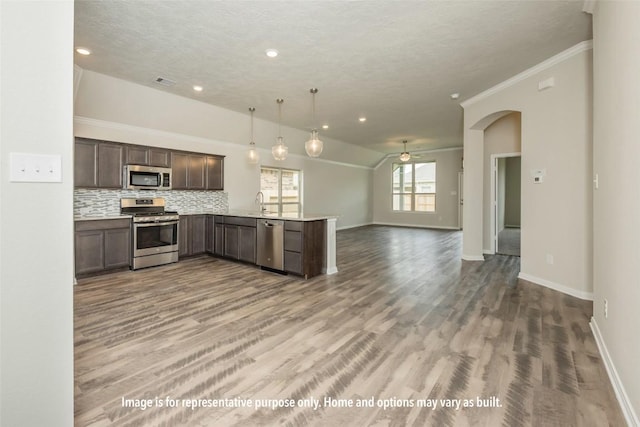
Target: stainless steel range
<point>154,232</point>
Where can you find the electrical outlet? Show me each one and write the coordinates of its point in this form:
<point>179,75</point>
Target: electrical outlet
<point>550,259</point>
<point>606,308</point>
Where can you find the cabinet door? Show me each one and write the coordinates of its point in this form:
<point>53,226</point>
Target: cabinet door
<point>179,169</point>
<point>184,242</point>
<point>89,251</point>
<point>215,173</point>
<point>293,262</point>
<point>110,163</point>
<point>117,248</point>
<point>247,244</point>
<point>159,157</point>
<point>85,163</point>
<point>231,241</point>
<point>218,239</point>
<point>198,237</point>
<point>137,155</point>
<point>196,174</point>
<point>209,239</point>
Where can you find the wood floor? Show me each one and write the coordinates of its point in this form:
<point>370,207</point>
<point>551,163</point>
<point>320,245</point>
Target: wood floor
<point>405,323</point>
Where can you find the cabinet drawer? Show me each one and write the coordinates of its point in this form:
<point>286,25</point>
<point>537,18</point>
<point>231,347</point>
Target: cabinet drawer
<point>292,241</point>
<point>102,224</point>
<point>218,219</point>
<point>293,225</point>
<point>236,220</point>
<point>293,262</point>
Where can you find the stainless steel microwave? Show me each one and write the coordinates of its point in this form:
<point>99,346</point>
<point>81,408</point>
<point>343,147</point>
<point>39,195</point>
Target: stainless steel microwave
<point>140,177</point>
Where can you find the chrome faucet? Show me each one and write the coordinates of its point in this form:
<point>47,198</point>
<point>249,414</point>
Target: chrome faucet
<point>260,202</point>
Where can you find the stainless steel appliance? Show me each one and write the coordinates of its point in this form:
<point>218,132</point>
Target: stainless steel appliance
<point>154,232</point>
<point>270,235</point>
<point>140,177</point>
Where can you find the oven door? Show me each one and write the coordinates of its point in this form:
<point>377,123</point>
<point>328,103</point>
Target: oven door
<point>151,238</point>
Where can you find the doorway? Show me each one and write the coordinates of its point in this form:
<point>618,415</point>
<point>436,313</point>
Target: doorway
<point>506,197</point>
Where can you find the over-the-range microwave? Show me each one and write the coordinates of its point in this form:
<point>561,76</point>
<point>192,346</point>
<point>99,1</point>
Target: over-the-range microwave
<point>140,177</point>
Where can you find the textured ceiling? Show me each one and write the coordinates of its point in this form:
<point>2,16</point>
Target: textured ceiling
<point>395,62</point>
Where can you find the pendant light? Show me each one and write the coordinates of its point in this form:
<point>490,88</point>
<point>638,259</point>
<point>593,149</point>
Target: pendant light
<point>313,146</point>
<point>252,155</point>
<point>405,156</point>
<point>279,150</point>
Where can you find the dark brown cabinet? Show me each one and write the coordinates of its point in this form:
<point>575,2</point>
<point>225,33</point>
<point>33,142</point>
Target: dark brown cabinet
<point>102,245</point>
<point>85,170</point>
<point>209,230</point>
<point>188,171</point>
<point>304,247</point>
<point>191,235</point>
<point>98,164</point>
<point>149,156</point>
<point>110,165</point>
<point>235,238</point>
<point>215,173</point>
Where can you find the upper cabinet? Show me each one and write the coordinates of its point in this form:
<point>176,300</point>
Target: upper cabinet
<point>215,173</point>
<point>149,156</point>
<point>99,164</point>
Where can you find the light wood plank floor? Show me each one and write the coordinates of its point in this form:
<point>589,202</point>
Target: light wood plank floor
<point>404,322</point>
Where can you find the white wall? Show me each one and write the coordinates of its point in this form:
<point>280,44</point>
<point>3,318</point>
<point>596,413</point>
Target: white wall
<point>36,251</point>
<point>501,137</point>
<point>115,110</point>
<point>556,244</point>
<point>448,164</point>
<point>616,261</point>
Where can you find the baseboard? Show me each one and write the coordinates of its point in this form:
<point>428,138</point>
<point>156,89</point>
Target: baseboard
<point>472,257</point>
<point>346,227</point>
<point>623,399</point>
<point>488,252</point>
<point>557,287</point>
<point>436,227</point>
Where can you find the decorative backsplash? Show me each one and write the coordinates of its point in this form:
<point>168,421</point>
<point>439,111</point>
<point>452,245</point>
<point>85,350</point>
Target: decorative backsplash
<point>93,203</point>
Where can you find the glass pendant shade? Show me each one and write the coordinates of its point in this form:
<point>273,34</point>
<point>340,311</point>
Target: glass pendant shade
<point>252,155</point>
<point>313,146</point>
<point>280,150</point>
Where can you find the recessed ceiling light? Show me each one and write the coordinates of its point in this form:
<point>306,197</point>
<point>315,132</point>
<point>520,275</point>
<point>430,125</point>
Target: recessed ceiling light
<point>83,51</point>
<point>325,126</point>
<point>271,53</point>
<point>198,88</point>
<point>455,95</point>
<point>363,119</point>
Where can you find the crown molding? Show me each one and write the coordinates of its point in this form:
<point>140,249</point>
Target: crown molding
<point>544,65</point>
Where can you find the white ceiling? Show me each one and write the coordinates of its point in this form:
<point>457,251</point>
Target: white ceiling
<point>395,62</point>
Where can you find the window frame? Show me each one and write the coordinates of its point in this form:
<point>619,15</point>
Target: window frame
<point>280,203</point>
<point>413,192</point>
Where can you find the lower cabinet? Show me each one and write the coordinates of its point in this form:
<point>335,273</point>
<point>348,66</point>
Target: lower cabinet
<point>304,247</point>
<point>102,245</point>
<point>238,238</point>
<point>192,237</point>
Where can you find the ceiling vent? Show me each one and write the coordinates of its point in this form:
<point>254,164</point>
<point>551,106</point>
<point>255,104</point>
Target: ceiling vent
<point>165,82</point>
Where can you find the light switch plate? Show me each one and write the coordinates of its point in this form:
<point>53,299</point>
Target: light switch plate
<point>26,167</point>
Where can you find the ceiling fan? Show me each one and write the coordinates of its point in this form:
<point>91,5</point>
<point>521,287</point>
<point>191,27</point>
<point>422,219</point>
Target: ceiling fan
<point>405,156</point>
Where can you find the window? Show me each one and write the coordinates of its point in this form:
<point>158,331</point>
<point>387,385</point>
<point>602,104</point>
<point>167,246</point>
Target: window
<point>414,187</point>
<point>282,190</point>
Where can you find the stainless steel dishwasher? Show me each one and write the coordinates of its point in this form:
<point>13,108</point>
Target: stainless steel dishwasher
<point>271,243</point>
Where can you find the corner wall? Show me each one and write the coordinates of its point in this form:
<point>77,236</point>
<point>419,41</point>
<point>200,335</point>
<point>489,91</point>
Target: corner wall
<point>556,138</point>
<point>36,250</point>
<point>616,261</point>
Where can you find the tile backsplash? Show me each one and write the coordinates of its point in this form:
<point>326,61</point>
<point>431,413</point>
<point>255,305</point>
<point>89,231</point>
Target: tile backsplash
<point>93,203</point>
